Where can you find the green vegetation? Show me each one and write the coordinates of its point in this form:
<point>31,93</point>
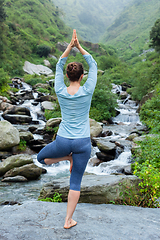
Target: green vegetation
<point>91,18</point>
<point>154,35</point>
<point>56,198</point>
<point>130,31</point>
<point>22,145</point>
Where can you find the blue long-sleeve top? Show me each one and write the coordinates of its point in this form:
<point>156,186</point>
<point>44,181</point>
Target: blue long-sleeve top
<point>75,108</point>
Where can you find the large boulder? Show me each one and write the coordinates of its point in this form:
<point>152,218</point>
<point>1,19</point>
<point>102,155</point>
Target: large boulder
<point>63,45</point>
<point>9,135</point>
<point>26,135</point>
<point>31,68</point>
<point>48,105</point>
<point>14,161</point>
<point>105,146</point>
<point>94,189</point>
<point>95,128</point>
<point>53,122</point>
<point>29,171</point>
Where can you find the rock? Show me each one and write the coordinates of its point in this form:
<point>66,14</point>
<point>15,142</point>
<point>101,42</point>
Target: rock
<point>94,161</point>
<point>14,161</point>
<point>94,189</point>
<point>36,145</point>
<point>127,170</point>
<point>26,135</point>
<point>15,118</point>
<point>104,157</point>
<point>51,82</point>
<point>105,146</point>
<point>143,137</point>
<point>125,86</point>
<point>48,105</point>
<point>46,98</point>
<point>31,68</point>
<point>123,95</point>
<point>106,133</point>
<point>47,63</point>
<point>132,136</point>
<point>5,106</point>
<point>14,179</point>
<point>9,135</point>
<point>136,149</point>
<point>53,122</point>
<point>29,171</point>
<point>95,128</point>
<point>4,155</point>
<point>63,45</point>
<point>145,98</point>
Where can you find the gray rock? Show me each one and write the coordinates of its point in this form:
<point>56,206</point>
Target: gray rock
<point>53,122</point>
<point>31,68</point>
<point>94,162</point>
<point>47,63</point>
<point>105,146</point>
<point>35,220</point>
<point>29,171</point>
<point>15,118</point>
<point>9,135</point>
<point>94,189</point>
<point>123,95</point>
<point>14,161</point>
<point>26,135</point>
<point>48,105</point>
<point>15,179</point>
<point>95,128</point>
<point>132,136</point>
<point>63,45</point>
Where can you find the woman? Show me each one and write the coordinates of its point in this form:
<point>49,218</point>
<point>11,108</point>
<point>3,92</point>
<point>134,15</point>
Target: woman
<point>73,138</point>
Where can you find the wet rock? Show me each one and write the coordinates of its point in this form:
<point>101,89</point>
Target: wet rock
<point>94,161</point>
<point>123,95</point>
<point>10,203</point>
<point>37,145</point>
<point>32,129</point>
<point>104,157</point>
<point>105,146</point>
<point>94,189</point>
<point>127,170</point>
<point>14,161</point>
<point>132,136</point>
<point>41,85</point>
<point>14,179</point>
<point>46,98</point>
<point>15,118</point>
<point>9,135</point>
<point>106,133</point>
<point>5,105</point>
<point>125,86</point>
<point>29,171</point>
<point>4,155</point>
<point>25,135</point>
<point>48,105</point>
<point>95,128</point>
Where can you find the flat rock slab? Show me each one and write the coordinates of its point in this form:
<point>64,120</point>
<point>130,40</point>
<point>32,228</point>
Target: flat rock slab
<point>44,221</point>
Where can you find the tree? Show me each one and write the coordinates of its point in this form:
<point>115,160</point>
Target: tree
<point>155,36</point>
<point>2,19</point>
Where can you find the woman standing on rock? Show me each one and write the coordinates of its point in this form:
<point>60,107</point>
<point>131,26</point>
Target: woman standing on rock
<point>73,138</point>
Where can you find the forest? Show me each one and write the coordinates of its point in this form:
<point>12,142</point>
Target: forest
<point>31,29</point>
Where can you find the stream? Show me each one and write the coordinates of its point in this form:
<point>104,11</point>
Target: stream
<point>124,124</point>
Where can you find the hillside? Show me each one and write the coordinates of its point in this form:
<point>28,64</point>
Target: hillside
<point>29,24</point>
<point>91,18</point>
<point>131,29</point>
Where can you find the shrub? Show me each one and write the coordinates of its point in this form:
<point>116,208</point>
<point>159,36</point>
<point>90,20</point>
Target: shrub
<point>43,50</point>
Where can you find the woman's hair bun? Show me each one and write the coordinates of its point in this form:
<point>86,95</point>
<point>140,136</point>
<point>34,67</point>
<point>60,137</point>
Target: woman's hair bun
<point>74,71</point>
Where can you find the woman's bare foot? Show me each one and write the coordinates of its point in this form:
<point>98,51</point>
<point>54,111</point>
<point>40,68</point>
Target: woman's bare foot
<point>70,223</point>
<point>71,162</point>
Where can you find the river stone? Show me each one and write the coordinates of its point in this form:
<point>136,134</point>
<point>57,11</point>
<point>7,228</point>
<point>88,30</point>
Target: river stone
<point>104,157</point>
<point>46,98</point>
<point>5,106</point>
<point>9,135</point>
<point>14,161</point>
<point>41,85</point>
<point>53,122</point>
<point>31,68</point>
<point>95,189</point>
<point>144,137</point>
<point>105,146</point>
<point>26,136</point>
<point>14,118</point>
<point>95,128</point>
<point>94,161</point>
<point>18,111</point>
<point>14,179</point>
<point>132,136</point>
<point>123,95</point>
<point>29,171</point>
<point>48,105</point>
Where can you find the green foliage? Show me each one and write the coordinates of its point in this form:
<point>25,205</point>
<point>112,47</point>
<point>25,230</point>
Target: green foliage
<point>34,79</point>
<point>103,101</point>
<point>43,50</point>
<point>56,198</point>
<point>43,90</point>
<point>22,145</point>
<point>4,79</point>
<point>53,113</point>
<point>90,19</point>
<point>147,168</point>
<point>150,112</point>
<point>155,35</point>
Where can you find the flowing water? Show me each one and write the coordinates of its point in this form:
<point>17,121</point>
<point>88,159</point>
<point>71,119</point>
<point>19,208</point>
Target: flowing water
<point>30,190</point>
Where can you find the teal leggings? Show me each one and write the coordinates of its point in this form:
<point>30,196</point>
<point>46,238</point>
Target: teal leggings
<point>61,147</point>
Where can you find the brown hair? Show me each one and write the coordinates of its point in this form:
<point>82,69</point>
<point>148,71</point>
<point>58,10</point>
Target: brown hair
<point>74,71</point>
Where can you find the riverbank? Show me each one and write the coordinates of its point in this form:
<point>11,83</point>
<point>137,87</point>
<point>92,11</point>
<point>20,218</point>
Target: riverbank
<point>34,220</point>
